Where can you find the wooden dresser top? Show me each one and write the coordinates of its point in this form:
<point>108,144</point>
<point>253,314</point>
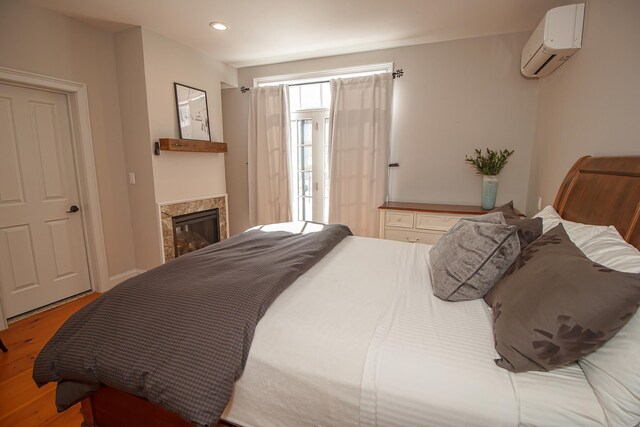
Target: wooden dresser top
<point>431,207</point>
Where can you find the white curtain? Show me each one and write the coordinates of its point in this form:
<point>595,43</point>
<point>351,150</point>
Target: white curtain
<point>359,129</point>
<point>269,184</point>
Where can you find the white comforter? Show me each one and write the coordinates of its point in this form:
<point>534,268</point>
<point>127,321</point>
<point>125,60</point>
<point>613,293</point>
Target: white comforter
<point>360,340</point>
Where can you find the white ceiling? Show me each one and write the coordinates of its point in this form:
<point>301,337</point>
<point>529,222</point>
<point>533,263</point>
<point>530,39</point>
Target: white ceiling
<point>270,31</point>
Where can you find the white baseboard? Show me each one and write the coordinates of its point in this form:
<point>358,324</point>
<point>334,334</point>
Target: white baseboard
<point>113,281</point>
<point>121,277</point>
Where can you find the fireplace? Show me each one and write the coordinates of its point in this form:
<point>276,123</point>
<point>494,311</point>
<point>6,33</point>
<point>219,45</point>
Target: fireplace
<point>171,210</point>
<point>195,230</point>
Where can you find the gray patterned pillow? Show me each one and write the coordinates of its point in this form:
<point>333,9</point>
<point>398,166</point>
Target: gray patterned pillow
<point>472,256</point>
<point>555,305</point>
<point>491,218</point>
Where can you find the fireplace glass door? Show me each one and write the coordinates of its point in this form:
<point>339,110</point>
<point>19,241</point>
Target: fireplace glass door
<point>195,231</point>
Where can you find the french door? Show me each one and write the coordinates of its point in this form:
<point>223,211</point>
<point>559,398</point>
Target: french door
<point>309,157</point>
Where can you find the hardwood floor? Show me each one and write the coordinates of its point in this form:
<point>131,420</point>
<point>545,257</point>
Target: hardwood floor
<point>22,404</point>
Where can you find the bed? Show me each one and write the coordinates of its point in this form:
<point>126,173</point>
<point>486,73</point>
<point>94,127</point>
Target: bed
<point>359,339</point>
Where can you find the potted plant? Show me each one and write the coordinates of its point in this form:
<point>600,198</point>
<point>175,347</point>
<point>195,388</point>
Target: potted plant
<point>489,166</point>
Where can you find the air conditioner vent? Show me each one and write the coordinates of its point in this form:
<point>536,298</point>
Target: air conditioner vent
<point>556,38</point>
<point>544,65</point>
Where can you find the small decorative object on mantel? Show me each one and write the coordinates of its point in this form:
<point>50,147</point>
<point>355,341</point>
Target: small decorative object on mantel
<point>489,166</point>
<point>193,113</point>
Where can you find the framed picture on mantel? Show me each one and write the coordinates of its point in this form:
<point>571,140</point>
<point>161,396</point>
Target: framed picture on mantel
<point>193,113</point>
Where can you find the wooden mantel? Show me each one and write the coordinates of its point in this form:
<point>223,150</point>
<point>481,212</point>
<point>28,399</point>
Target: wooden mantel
<point>174,144</point>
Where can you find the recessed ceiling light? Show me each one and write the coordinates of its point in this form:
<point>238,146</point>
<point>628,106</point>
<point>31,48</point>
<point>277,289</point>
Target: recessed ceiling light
<point>220,26</point>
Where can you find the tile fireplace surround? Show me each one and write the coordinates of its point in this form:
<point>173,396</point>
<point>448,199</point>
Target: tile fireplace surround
<point>169,210</point>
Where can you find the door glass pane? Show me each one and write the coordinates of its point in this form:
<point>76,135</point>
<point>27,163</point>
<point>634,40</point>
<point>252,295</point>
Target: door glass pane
<point>300,209</point>
<point>304,184</point>
<point>302,133</point>
<point>308,211</point>
<point>305,132</point>
<point>304,158</point>
<point>305,209</point>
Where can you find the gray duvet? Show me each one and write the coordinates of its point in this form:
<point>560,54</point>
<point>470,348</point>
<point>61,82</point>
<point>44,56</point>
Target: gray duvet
<point>179,335</point>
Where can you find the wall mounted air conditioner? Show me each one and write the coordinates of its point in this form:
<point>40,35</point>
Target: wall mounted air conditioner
<point>556,38</point>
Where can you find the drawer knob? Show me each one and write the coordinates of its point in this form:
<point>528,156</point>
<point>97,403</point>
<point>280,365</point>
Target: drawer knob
<point>410,240</point>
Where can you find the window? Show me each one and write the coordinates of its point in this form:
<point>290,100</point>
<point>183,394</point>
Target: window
<point>309,104</point>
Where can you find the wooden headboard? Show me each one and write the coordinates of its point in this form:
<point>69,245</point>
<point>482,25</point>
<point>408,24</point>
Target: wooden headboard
<point>603,191</point>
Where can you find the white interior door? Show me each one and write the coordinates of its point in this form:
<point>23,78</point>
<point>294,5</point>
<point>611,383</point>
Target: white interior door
<point>42,250</point>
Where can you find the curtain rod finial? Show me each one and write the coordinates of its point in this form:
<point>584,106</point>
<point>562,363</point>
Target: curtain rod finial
<point>244,89</point>
<point>398,73</point>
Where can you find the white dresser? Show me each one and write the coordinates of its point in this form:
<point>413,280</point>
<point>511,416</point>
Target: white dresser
<point>421,222</point>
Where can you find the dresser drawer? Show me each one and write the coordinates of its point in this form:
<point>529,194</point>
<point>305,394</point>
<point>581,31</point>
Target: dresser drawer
<point>428,221</point>
<point>411,236</point>
<point>399,219</point>
<point>421,222</point>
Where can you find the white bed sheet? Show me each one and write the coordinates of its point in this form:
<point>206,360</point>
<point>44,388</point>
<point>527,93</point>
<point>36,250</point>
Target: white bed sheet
<point>307,356</point>
<point>360,340</point>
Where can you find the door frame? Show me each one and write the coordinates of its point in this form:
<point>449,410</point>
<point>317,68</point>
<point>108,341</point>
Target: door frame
<point>82,145</point>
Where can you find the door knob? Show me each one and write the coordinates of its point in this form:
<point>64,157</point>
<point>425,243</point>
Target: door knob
<point>73,209</point>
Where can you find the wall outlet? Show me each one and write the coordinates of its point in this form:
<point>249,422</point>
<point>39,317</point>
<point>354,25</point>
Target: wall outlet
<point>539,202</point>
<point>132,178</point>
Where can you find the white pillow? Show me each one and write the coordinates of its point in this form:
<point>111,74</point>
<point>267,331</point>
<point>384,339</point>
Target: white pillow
<point>614,370</point>
<point>611,250</point>
<point>578,233</point>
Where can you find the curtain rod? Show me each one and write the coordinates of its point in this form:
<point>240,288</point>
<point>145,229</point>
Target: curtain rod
<point>396,75</point>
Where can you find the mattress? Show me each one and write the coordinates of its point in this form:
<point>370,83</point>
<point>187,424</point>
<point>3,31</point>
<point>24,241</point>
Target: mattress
<point>360,340</point>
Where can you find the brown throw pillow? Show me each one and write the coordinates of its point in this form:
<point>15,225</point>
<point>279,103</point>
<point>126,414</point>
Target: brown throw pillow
<point>529,229</point>
<point>510,213</point>
<point>554,305</point>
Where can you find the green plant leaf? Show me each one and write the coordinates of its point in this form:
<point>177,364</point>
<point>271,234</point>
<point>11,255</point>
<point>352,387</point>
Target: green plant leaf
<point>490,163</point>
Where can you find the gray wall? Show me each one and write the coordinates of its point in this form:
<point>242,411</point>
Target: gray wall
<point>455,96</point>
<point>134,115</point>
<point>590,105</point>
<point>235,113</point>
<point>40,41</point>
<point>148,66</point>
<point>180,176</point>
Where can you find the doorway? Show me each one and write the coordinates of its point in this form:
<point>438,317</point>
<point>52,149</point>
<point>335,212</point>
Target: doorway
<point>309,151</point>
<point>43,257</point>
